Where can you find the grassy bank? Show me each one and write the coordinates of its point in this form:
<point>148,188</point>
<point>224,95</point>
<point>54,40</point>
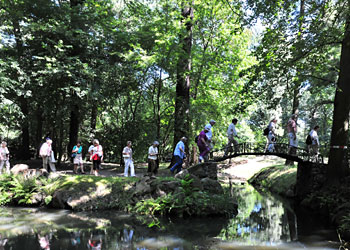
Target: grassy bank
<point>278,179</point>
<point>160,196</point>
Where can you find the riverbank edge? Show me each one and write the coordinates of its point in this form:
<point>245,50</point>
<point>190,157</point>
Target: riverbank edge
<point>163,196</point>
<point>331,203</point>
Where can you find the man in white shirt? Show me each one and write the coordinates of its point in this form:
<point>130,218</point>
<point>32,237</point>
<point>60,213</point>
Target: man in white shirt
<point>231,134</point>
<point>209,134</point>
<point>152,158</point>
<point>127,155</point>
<point>46,154</point>
<point>313,148</point>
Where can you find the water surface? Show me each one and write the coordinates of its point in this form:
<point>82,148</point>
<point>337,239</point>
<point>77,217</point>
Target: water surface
<point>263,222</point>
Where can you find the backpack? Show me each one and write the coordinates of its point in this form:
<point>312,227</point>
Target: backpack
<point>266,131</point>
<point>196,139</point>
<point>308,140</point>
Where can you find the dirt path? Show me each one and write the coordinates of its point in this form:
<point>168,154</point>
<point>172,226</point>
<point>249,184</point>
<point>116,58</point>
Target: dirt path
<point>243,168</point>
<point>239,170</point>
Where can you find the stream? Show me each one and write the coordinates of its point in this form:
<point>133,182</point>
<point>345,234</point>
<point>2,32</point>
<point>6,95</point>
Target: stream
<point>263,222</point>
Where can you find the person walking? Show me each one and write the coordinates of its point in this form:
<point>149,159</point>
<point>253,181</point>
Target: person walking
<point>4,157</point>
<point>203,144</point>
<point>271,136</point>
<point>46,154</point>
<point>179,155</point>
<point>127,155</point>
<point>77,154</point>
<point>209,134</point>
<point>315,143</point>
<point>96,157</point>
<point>152,159</point>
<point>231,134</point>
<point>292,136</point>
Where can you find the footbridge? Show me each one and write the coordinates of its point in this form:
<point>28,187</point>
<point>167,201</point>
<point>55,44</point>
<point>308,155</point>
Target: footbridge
<point>259,149</point>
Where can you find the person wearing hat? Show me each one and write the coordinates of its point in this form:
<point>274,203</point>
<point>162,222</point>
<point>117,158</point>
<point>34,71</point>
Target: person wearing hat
<point>209,134</point>
<point>46,154</point>
<point>179,155</point>
<point>152,158</point>
<point>127,155</point>
<point>203,144</point>
<point>231,134</point>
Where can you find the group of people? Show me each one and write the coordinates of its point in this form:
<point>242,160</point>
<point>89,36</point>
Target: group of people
<point>204,142</point>
<point>153,160</point>
<point>96,157</point>
<point>312,141</point>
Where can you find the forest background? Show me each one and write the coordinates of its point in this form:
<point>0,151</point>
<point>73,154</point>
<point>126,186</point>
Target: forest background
<point>161,69</point>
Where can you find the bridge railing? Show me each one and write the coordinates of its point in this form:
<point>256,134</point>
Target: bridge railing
<point>246,148</point>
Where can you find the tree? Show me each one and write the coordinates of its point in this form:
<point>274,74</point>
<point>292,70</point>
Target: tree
<point>327,26</point>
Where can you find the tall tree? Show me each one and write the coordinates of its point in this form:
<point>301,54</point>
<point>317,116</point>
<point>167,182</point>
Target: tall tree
<point>337,167</point>
<point>182,101</point>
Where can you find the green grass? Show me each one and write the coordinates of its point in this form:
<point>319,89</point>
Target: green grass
<point>277,178</point>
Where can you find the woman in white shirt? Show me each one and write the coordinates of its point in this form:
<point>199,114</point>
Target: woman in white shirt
<point>4,157</point>
<point>271,137</point>
<point>127,155</point>
<point>96,156</point>
<point>152,158</point>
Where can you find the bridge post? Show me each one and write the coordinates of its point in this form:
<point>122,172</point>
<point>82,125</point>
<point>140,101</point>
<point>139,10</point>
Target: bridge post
<point>310,177</point>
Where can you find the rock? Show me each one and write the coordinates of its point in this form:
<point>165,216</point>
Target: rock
<point>204,170</point>
<point>170,186</point>
<point>182,174</point>
<point>58,200</point>
<point>19,168</point>
<point>290,193</point>
<point>320,178</point>
<point>160,193</point>
<point>37,199</point>
<point>196,183</point>
<point>144,186</point>
<point>211,186</point>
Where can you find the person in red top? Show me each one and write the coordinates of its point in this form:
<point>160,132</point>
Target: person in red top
<point>203,144</point>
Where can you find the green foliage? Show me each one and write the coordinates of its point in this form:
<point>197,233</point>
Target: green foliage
<point>186,201</point>
<point>23,188</point>
<point>5,195</point>
<point>116,65</point>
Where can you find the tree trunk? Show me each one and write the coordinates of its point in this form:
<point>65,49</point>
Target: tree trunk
<point>39,129</point>
<point>93,120</point>
<point>340,128</point>
<point>297,84</point>
<point>182,102</point>
<point>60,142</point>
<point>296,96</point>
<point>24,152</point>
<point>73,128</point>
<point>160,84</point>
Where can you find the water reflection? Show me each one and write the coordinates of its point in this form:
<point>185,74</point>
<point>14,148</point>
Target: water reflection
<point>262,222</point>
<point>260,219</point>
